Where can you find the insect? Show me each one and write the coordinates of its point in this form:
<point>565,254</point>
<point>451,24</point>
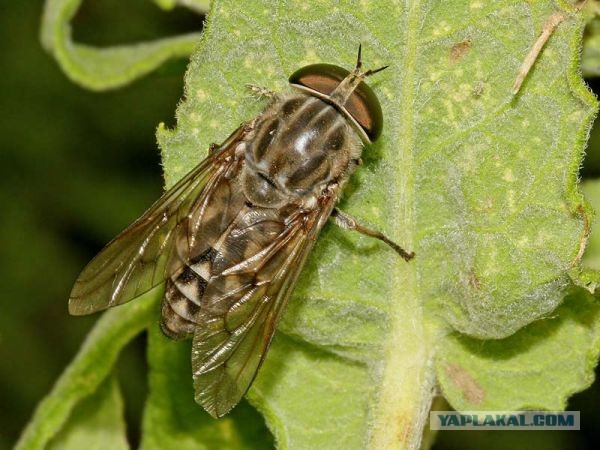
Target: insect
<point>230,239</point>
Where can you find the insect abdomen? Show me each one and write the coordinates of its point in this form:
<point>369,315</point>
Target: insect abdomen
<point>181,303</point>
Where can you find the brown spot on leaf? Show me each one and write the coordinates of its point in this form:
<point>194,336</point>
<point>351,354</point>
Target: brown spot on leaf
<point>459,50</point>
<point>474,280</point>
<point>404,429</point>
<point>471,390</point>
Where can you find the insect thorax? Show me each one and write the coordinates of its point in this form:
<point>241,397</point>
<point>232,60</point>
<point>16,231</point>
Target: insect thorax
<point>299,144</point>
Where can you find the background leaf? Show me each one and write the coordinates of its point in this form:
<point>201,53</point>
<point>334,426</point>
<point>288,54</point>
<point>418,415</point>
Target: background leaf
<point>89,369</point>
<point>111,67</point>
<point>199,5</point>
<point>591,57</point>
<point>590,60</point>
<point>96,423</point>
<point>591,258</point>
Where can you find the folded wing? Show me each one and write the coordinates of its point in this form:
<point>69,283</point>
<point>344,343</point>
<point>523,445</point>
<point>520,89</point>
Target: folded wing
<point>137,260</point>
<point>255,269</point>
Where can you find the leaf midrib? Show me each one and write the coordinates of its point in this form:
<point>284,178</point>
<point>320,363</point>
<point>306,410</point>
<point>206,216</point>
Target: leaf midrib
<point>405,386</point>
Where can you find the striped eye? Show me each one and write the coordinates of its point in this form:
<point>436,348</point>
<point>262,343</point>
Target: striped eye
<point>363,105</point>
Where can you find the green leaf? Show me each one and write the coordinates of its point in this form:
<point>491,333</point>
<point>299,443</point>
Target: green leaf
<point>590,60</point>
<point>331,414</point>
<point>538,367</point>
<point>89,369</point>
<point>100,69</point>
<point>588,276</point>
<point>97,422</point>
<point>201,6</point>
<point>591,257</point>
<point>480,183</point>
<point>172,420</point>
<point>591,53</point>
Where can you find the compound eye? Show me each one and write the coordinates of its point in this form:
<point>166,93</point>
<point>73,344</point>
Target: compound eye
<point>363,105</point>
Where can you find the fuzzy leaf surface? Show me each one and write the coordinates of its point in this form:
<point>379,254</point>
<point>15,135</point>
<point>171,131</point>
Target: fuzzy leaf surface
<point>102,68</point>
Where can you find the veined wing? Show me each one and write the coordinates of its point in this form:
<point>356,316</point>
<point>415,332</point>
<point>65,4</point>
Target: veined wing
<point>137,259</point>
<point>237,319</point>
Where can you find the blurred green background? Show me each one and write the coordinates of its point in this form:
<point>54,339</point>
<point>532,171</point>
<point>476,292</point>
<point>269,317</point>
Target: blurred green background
<point>75,168</point>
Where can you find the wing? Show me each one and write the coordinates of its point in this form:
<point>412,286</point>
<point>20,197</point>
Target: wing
<point>137,259</point>
<point>237,321</point>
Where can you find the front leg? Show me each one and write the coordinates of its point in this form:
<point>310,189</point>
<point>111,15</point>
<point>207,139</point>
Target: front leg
<point>347,222</point>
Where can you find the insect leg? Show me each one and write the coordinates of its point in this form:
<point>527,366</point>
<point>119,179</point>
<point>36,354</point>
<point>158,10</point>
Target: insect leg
<point>347,222</point>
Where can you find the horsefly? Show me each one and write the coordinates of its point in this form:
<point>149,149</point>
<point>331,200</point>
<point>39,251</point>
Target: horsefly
<point>231,237</point>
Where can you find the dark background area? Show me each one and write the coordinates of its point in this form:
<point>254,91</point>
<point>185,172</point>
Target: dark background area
<point>75,168</point>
